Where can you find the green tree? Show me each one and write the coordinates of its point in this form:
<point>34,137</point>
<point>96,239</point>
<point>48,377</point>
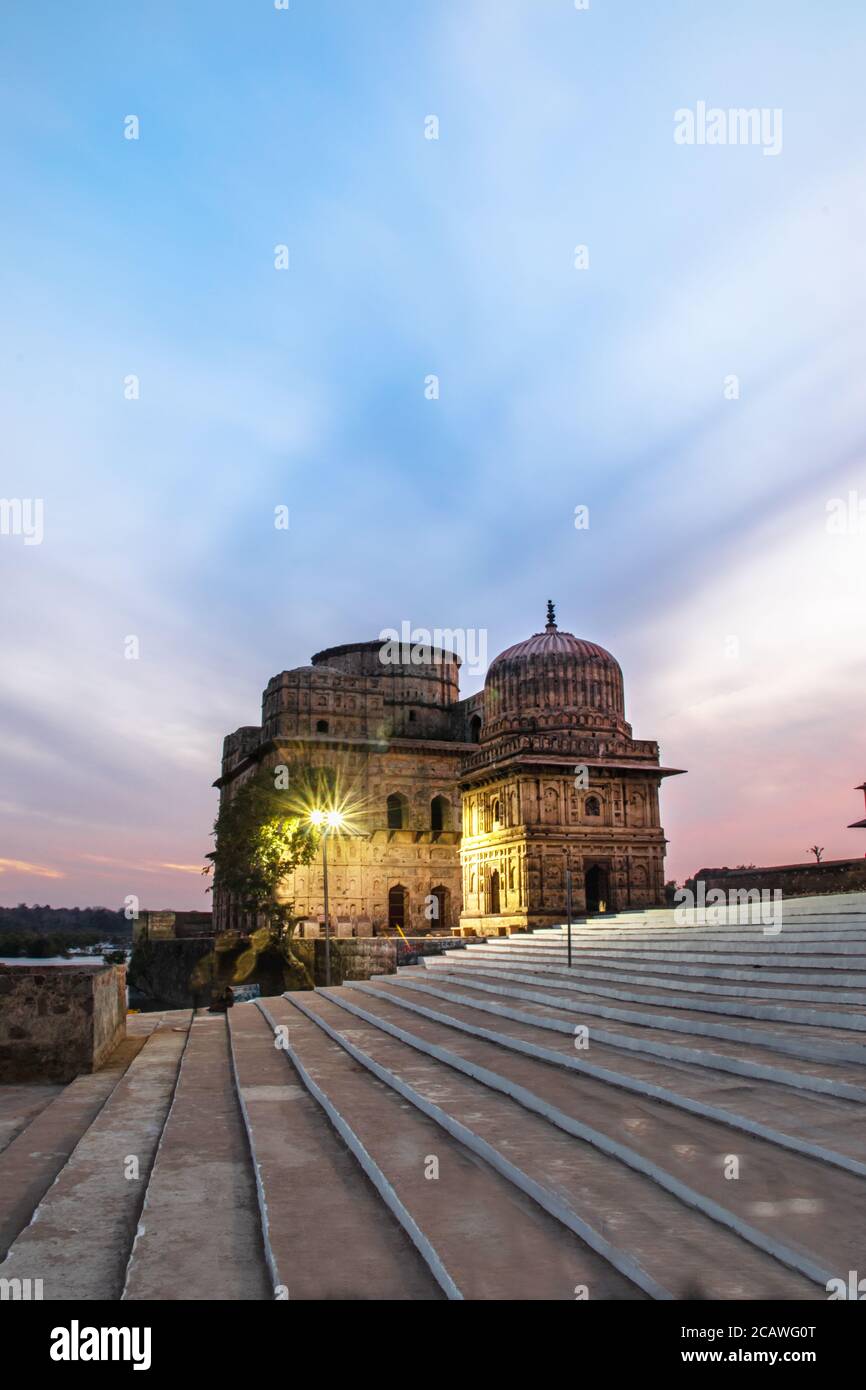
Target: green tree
<point>263,833</point>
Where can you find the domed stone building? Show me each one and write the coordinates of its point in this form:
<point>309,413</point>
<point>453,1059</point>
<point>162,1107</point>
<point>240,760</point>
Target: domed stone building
<point>469,812</point>
<point>557,783</point>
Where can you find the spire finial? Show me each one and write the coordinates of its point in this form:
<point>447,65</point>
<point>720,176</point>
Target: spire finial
<point>551,616</point>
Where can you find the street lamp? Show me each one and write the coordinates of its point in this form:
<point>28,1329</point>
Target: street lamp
<point>326,821</point>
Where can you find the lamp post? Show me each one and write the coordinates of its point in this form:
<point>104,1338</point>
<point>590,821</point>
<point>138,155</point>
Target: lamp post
<point>331,820</point>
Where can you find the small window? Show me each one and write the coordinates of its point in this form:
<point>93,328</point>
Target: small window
<point>397,907</point>
<point>440,813</point>
<point>592,806</point>
<point>411,715</point>
<point>395,812</point>
<point>475,728</point>
<point>497,814</point>
<point>322,726</point>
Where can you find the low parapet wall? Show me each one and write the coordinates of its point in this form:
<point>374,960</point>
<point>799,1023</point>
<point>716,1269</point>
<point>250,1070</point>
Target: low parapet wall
<point>792,880</point>
<point>57,1021</point>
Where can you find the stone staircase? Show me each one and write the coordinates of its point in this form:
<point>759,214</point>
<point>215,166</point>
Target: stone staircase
<point>678,1114</point>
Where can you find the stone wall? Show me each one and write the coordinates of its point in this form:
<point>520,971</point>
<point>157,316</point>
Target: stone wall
<point>166,924</point>
<point>188,974</point>
<point>161,972</point>
<point>355,960</point>
<point>59,1020</point>
<point>794,880</point>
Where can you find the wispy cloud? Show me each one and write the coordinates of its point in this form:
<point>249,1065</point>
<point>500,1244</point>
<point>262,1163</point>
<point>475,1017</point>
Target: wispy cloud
<point>21,866</point>
<point>305,388</point>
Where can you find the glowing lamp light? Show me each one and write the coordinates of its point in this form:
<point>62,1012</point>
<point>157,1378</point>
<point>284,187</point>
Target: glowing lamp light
<point>334,820</point>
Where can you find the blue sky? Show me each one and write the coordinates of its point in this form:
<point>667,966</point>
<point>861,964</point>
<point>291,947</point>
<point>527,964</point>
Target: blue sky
<point>707,567</point>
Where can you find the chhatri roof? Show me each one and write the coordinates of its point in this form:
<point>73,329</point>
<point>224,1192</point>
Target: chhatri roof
<point>552,643</point>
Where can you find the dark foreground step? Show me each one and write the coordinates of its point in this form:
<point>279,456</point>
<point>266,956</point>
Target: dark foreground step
<point>784,1198</point>
<point>661,1240</point>
<point>327,1233</point>
<point>198,1233</point>
<point>481,1236</point>
<point>79,1239</point>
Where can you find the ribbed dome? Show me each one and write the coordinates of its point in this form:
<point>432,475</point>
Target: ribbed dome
<point>553,643</point>
<point>549,679</point>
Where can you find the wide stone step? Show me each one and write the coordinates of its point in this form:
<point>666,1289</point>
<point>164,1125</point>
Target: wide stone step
<point>837,1052</point>
<point>594,968</point>
<point>793,1200</point>
<point>766,951</point>
<point>481,1236</point>
<point>79,1239</point>
<point>20,1103</point>
<point>747,933</point>
<point>327,1233</point>
<point>821,1126</point>
<point>31,1161</point>
<point>848,1016</point>
<point>198,1234</point>
<point>804,985</point>
<point>576,1176</point>
<point>830,1060</point>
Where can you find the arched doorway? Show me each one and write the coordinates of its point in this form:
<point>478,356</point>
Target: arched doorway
<point>440,813</point>
<point>494,892</point>
<point>596,888</point>
<point>397,907</point>
<point>440,893</point>
<point>475,728</point>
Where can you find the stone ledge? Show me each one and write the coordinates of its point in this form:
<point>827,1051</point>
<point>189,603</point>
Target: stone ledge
<point>57,1021</point>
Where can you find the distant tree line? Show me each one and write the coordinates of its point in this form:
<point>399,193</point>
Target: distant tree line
<point>52,931</point>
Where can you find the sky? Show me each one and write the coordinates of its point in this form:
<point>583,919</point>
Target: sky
<point>694,377</point>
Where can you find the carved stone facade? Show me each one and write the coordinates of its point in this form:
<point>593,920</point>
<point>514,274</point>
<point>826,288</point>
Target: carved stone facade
<point>540,772</point>
<point>395,734</point>
<point>558,784</point>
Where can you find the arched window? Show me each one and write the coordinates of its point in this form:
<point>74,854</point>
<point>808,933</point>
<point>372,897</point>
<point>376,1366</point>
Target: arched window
<point>592,806</point>
<point>322,726</point>
<point>396,811</point>
<point>475,728</point>
<point>497,813</point>
<point>397,906</point>
<point>493,905</point>
<point>440,813</point>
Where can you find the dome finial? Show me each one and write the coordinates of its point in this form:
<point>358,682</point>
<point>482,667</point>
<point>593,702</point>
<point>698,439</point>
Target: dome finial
<point>551,617</point>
